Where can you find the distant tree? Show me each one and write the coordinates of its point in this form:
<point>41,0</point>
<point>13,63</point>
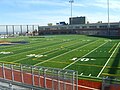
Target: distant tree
<point>50,24</point>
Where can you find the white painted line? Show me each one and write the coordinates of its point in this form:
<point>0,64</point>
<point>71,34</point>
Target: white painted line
<point>108,60</point>
<point>89,75</point>
<point>112,47</point>
<point>64,53</point>
<point>84,56</point>
<point>81,74</point>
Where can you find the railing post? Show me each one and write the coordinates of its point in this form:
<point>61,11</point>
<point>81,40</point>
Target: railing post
<point>76,80</point>
<point>21,70</point>
<point>39,77</point>
<point>64,80</point>
<point>12,72</point>
<point>58,79</point>
<point>32,75</point>
<point>53,80</point>
<point>44,75</point>
<point>3,70</point>
<point>73,80</point>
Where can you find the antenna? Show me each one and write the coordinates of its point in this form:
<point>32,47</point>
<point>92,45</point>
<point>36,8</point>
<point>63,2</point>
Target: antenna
<point>71,1</point>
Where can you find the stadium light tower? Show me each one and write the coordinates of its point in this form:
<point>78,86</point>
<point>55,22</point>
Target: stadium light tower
<point>71,1</point>
<point>108,11</point>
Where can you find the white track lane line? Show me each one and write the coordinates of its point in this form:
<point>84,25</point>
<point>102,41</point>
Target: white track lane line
<point>84,56</point>
<point>108,60</point>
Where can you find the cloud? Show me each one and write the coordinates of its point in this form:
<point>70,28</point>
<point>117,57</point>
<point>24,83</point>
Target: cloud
<point>114,4</point>
<point>45,11</point>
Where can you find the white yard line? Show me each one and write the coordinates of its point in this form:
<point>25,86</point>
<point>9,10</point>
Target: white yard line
<point>89,75</point>
<point>29,57</point>
<point>108,60</point>
<point>64,53</point>
<point>84,55</point>
<point>112,47</point>
<point>44,52</point>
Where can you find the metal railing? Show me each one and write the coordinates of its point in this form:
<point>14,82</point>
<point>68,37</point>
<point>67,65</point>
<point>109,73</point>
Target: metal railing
<point>43,77</point>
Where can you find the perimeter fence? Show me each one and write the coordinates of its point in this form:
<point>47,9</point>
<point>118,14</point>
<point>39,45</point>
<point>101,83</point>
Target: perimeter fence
<point>111,83</point>
<point>43,77</point>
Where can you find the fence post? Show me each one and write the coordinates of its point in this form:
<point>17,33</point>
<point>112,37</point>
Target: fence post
<point>13,30</point>
<point>12,72</point>
<point>58,79</point>
<point>73,73</point>
<point>103,83</point>
<point>3,71</point>
<point>64,80</point>
<point>76,80</point>
<point>27,29</point>
<point>53,80</point>
<point>33,27</point>
<point>32,73</point>
<point>21,29</point>
<point>7,30</point>
<point>21,70</point>
<point>44,75</point>
<point>39,77</point>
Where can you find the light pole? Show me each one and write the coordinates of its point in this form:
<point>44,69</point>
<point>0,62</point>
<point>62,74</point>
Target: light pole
<point>108,11</point>
<point>71,1</point>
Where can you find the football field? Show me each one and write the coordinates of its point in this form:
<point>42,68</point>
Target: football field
<point>90,56</point>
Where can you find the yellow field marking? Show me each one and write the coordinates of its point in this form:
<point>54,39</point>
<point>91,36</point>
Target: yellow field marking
<point>10,63</point>
<point>112,47</point>
<point>107,74</point>
<point>89,65</point>
<point>34,59</point>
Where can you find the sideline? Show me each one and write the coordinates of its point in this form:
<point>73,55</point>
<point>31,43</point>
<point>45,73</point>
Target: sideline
<point>108,61</point>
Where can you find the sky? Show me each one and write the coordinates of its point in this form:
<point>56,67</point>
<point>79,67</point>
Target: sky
<point>42,12</point>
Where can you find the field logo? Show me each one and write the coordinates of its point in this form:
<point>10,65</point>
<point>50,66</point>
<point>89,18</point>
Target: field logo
<point>83,59</point>
<point>34,55</point>
<point>6,52</point>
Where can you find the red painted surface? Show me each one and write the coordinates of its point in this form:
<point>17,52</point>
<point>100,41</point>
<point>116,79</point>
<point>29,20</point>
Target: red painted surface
<point>39,81</point>
<point>91,84</point>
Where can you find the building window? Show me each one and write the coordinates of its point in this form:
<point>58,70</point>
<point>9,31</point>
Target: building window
<point>62,27</point>
<point>93,27</point>
<point>84,27</point>
<point>77,27</point>
<point>103,26</point>
<point>70,27</point>
<point>47,28</point>
<point>114,26</point>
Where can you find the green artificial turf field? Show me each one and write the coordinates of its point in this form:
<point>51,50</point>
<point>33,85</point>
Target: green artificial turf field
<point>90,56</point>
